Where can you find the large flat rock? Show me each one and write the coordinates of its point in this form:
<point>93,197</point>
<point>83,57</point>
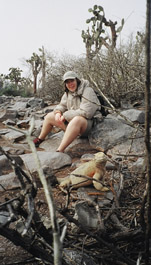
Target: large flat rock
<point>54,160</point>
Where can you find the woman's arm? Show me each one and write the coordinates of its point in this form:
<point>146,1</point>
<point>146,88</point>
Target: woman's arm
<point>62,106</point>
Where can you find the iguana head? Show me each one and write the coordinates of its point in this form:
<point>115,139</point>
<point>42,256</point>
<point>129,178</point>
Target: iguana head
<point>100,158</point>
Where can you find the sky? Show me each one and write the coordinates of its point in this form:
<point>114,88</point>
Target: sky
<point>27,25</point>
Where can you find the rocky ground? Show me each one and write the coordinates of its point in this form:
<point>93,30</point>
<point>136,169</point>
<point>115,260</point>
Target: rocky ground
<point>117,238</point>
<point>11,254</point>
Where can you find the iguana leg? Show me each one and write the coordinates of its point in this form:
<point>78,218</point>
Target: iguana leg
<point>82,184</point>
<point>96,184</point>
<point>68,182</point>
<point>98,175</point>
<point>65,182</point>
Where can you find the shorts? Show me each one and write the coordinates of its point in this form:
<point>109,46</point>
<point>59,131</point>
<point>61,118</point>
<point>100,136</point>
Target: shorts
<point>88,129</point>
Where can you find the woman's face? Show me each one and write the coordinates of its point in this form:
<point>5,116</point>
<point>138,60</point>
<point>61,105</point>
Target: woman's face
<point>71,84</point>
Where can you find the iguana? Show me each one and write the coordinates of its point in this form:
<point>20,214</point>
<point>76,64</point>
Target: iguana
<point>94,169</point>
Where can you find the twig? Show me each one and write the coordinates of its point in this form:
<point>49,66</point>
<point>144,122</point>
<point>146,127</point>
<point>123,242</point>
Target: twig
<point>130,155</point>
<point>48,194</point>
<point>49,198</point>
<point>84,181</point>
<point>18,170</point>
<point>101,222</point>
<point>30,214</point>
<point>101,241</point>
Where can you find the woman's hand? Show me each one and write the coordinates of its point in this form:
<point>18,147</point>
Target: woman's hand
<point>62,118</point>
<point>59,118</point>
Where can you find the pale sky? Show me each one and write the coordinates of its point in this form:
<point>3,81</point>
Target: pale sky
<point>26,25</point>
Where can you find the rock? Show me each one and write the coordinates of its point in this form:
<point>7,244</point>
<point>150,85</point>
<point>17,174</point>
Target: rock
<point>134,145</point>
<point>4,218</point>
<point>23,123</point>
<point>87,157</point>
<point>5,99</point>
<point>51,178</point>
<point>9,122</point>
<point>110,132</point>
<point>54,160</point>
<point>35,102</point>
<point>52,143</point>
<point>139,165</point>
<point>86,193</point>
<point>75,257</point>
<point>19,106</point>
<point>8,114</point>
<point>110,166</point>
<point>117,136</point>
<point>15,150</point>
<point>13,136</point>
<point>133,115</point>
<point>4,131</point>
<point>5,165</point>
<point>9,181</point>
<point>86,215</point>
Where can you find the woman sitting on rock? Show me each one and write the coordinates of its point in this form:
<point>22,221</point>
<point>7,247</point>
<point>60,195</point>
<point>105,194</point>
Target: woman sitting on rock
<point>74,114</point>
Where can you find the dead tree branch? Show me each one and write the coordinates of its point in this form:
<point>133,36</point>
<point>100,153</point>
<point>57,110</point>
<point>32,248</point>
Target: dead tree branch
<point>147,127</point>
<point>49,197</point>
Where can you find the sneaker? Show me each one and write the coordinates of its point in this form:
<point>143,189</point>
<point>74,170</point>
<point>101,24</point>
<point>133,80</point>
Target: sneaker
<point>37,141</point>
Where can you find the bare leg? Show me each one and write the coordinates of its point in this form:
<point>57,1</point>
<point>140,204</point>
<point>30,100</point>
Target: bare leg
<point>75,127</point>
<point>48,123</point>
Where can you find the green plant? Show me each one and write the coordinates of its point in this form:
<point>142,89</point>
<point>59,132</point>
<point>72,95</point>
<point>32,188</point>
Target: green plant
<point>95,38</point>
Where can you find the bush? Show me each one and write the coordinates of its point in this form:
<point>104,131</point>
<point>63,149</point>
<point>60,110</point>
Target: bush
<point>119,73</point>
<point>11,90</point>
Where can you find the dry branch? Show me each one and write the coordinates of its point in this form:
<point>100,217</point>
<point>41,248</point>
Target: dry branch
<point>49,197</point>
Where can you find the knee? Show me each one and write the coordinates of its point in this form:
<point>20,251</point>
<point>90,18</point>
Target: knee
<point>49,117</point>
<point>78,120</point>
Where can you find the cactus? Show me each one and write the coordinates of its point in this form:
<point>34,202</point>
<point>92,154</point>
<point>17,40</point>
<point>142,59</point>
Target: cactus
<point>95,39</point>
<point>36,64</point>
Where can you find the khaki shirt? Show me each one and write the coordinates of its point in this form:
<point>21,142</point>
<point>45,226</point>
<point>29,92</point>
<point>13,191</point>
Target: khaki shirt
<point>83,102</point>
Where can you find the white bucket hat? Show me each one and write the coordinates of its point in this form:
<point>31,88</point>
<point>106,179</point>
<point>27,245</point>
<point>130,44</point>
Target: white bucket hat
<point>69,75</point>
